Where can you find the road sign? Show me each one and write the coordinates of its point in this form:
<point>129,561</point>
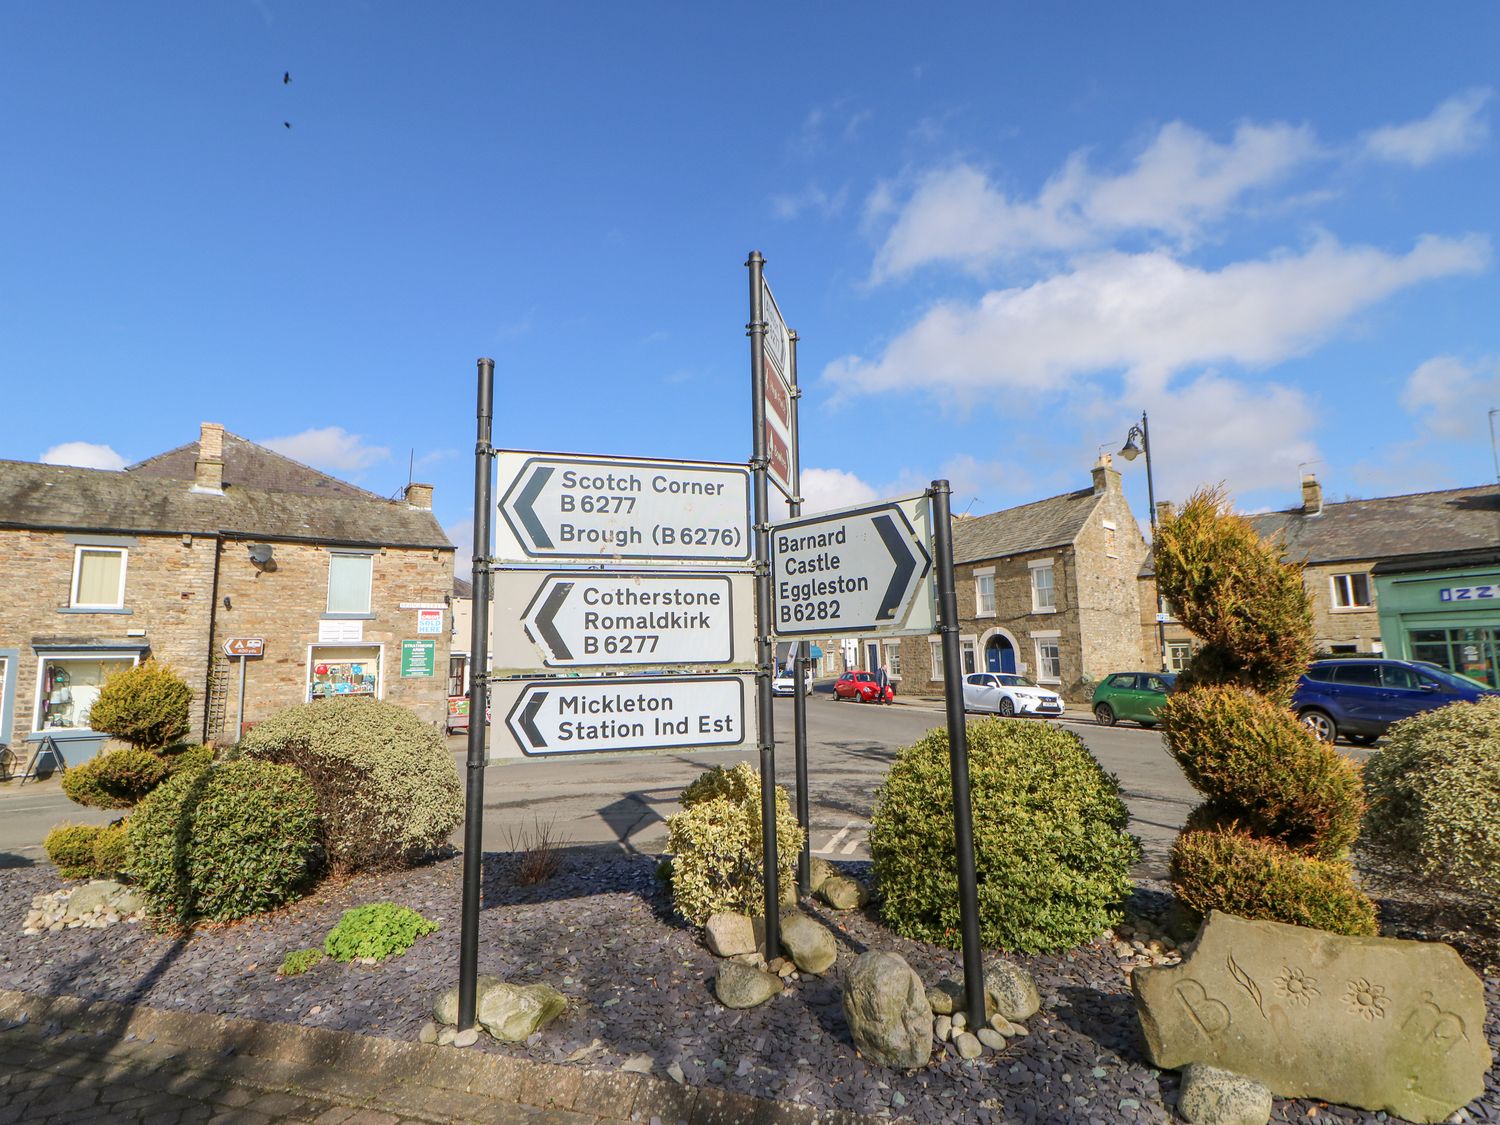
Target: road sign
<point>606,508</point>
<point>556,718</point>
<point>862,570</point>
<point>245,646</point>
<point>593,619</point>
<point>781,433</point>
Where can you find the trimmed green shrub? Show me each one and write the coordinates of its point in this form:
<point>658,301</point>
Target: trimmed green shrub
<point>715,845</point>
<point>186,757</point>
<point>71,848</point>
<point>81,785</point>
<point>1051,852</point>
<point>296,963</point>
<point>223,842</point>
<point>112,850</point>
<point>146,706</point>
<point>377,931</point>
<point>1434,800</point>
<point>1237,593</point>
<point>1259,766</point>
<point>128,775</point>
<point>388,791</point>
<point>1258,878</point>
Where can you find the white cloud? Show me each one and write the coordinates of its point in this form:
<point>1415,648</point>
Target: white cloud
<point>824,490</point>
<point>1148,314</point>
<point>84,455</point>
<point>331,447</point>
<point>1457,126</point>
<point>811,198</point>
<point>1451,398</point>
<point>1181,180</point>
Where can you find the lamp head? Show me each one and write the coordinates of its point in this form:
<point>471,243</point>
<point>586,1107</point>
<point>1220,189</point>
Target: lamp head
<point>1131,449</point>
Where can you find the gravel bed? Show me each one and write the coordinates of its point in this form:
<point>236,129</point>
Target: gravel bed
<point>640,982</point>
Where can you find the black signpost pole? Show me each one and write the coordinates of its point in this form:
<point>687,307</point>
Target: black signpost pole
<point>479,639</point>
<point>958,754</point>
<point>801,666</point>
<point>765,652</point>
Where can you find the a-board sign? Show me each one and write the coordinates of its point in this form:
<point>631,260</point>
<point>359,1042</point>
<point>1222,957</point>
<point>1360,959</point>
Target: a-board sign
<point>245,646</point>
<point>559,717</point>
<point>605,619</point>
<point>781,433</point>
<point>564,506</point>
<point>861,570</point>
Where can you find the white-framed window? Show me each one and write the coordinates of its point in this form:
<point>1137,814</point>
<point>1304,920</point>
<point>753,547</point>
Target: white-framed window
<point>98,577</point>
<point>1111,544</point>
<point>349,581</point>
<point>68,684</point>
<point>968,648</point>
<point>1043,592</point>
<point>1179,655</point>
<point>935,657</point>
<point>1351,591</point>
<point>1169,609</point>
<point>1048,659</point>
<point>893,660</point>
<point>984,592</point>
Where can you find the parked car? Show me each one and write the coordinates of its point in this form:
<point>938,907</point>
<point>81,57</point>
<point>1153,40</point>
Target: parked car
<point>781,684</point>
<point>1137,696</point>
<point>861,686</point>
<point>1007,694</point>
<point>1358,699</point>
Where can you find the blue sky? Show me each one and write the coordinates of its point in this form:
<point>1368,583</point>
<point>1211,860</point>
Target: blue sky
<point>1001,231</point>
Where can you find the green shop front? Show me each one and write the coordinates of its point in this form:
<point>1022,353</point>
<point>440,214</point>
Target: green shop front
<point>1443,608</point>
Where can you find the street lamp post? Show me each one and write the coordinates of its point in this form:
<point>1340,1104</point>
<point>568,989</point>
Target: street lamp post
<point>1138,441</point>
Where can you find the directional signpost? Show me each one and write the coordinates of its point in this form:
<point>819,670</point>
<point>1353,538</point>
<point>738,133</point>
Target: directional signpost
<point>243,648</point>
<point>863,570</point>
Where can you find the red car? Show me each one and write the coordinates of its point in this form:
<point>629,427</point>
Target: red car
<point>861,686</point>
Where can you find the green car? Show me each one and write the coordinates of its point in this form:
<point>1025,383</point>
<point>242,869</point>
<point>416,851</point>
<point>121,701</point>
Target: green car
<point>1131,695</point>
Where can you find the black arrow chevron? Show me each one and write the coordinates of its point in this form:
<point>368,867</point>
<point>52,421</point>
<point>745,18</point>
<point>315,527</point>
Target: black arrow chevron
<point>528,720</point>
<point>906,563</point>
<point>546,623</point>
<point>524,507</point>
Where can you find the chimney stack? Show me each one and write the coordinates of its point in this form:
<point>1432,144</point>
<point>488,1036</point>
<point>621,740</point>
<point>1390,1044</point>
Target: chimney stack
<point>419,496</point>
<point>1165,510</point>
<point>208,470</point>
<point>1106,476</point>
<point>1312,495</point>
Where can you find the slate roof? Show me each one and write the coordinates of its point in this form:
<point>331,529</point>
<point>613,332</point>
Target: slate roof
<point>60,497</point>
<point>462,588</point>
<point>253,466</point>
<point>1053,522</point>
<point>1457,519</point>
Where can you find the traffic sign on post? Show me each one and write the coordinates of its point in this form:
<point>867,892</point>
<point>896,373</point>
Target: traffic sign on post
<point>862,570</point>
<point>555,718</point>
<point>606,508</point>
<point>594,619</point>
<point>781,429</point>
<point>245,646</point>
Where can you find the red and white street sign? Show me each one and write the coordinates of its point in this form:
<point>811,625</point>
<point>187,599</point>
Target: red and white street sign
<point>781,436</point>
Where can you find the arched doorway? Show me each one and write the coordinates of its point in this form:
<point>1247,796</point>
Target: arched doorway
<point>1000,654</point>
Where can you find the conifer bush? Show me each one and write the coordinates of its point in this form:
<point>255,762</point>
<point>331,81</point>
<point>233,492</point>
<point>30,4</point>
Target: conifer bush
<point>716,848</point>
<point>146,706</point>
<point>1051,853</point>
<point>82,786</point>
<point>71,848</point>
<point>112,850</point>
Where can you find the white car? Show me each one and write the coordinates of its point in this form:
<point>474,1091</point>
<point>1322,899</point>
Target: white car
<point>782,683</point>
<point>1004,693</point>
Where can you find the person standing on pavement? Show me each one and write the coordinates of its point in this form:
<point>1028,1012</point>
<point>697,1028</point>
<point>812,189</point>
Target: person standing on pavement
<point>882,684</point>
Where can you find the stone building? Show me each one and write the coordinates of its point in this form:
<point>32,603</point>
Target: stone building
<point>216,540</point>
<point>1046,589</point>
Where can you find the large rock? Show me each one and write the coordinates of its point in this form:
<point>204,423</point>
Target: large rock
<point>744,986</point>
<point>445,1007</point>
<point>730,935</point>
<point>1370,1022</point>
<point>513,1012</point>
<point>819,872</point>
<point>842,893</point>
<point>1009,990</point>
<point>1211,1096</point>
<point>887,1011</point>
<point>807,942</point>
<point>98,892</point>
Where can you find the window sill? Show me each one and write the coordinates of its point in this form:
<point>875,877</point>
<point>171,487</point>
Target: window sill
<point>64,734</point>
<point>1049,609</point>
<point>982,614</point>
<point>1046,680</point>
<point>1352,609</point>
<point>348,617</point>
<point>119,610</point>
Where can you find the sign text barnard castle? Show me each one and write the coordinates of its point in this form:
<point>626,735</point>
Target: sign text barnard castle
<point>792,549</point>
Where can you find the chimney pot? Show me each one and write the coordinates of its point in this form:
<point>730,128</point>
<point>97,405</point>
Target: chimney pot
<point>419,496</point>
<point>1312,495</point>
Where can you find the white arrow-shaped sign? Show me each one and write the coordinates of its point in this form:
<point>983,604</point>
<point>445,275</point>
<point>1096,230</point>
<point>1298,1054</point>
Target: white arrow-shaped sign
<point>559,717</point>
<point>575,507</point>
<point>855,571</point>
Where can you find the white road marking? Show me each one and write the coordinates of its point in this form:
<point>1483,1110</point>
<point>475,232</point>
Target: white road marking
<point>837,836</point>
<point>850,847</point>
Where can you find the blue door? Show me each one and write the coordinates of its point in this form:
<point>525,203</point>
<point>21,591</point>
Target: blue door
<point>999,656</point>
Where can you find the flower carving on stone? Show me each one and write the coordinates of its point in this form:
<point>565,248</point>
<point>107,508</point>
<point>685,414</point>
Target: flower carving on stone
<point>1367,1000</point>
<point>1296,986</point>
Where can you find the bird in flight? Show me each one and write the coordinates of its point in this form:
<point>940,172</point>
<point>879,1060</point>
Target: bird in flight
<point>288,124</point>
<point>286,78</point>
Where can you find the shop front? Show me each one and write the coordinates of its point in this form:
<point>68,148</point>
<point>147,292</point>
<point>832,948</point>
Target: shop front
<point>68,681</point>
<point>1444,609</point>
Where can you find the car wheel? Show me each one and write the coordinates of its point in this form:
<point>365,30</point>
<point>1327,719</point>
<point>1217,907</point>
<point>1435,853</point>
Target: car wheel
<point>1104,715</point>
<point>1321,724</point>
<point>1008,708</point>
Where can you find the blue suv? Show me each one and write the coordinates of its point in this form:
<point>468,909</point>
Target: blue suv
<point>1359,699</point>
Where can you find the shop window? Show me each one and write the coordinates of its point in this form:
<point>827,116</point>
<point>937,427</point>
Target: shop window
<point>1048,661</point>
<point>343,671</point>
<point>1179,655</point>
<point>1351,591</point>
<point>349,582</point>
<point>1043,593</point>
<point>99,578</point>
<point>984,593</point>
<point>68,685</point>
